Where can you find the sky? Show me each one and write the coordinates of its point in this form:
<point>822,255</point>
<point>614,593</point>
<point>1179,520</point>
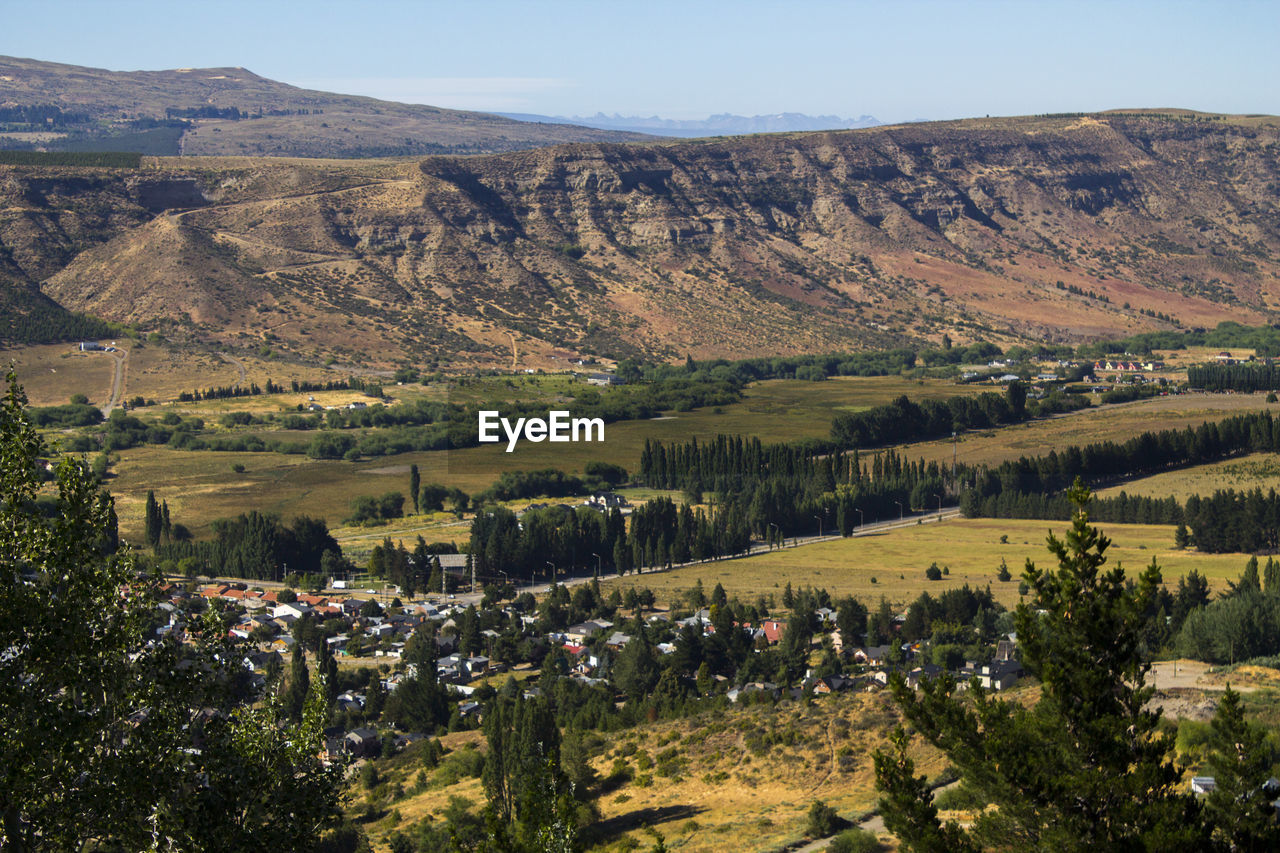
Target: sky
<point>897,61</point>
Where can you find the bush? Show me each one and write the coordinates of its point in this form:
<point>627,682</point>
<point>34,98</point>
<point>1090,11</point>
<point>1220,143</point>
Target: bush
<point>823,820</point>
<point>933,573</point>
<point>854,841</point>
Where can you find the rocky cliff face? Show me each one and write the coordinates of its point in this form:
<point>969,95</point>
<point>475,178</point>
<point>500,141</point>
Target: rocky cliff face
<point>1044,228</point>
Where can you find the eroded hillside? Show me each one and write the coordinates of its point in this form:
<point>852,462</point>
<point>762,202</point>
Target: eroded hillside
<point>1036,228</point>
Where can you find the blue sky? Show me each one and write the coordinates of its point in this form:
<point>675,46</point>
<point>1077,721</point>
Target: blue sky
<point>894,60</point>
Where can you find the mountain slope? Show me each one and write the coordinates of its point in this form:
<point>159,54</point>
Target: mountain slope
<point>1057,228</point>
<point>232,111</point>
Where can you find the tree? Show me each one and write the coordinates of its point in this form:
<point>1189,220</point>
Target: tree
<point>415,482</point>
<point>152,520</point>
<point>523,782</point>
<point>1086,767</point>
<point>1181,538</point>
<point>115,740</point>
<point>295,696</point>
<point>823,820</point>
<point>1240,760</point>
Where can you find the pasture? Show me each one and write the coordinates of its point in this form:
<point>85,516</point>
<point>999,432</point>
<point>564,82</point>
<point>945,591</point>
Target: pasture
<point>893,563</point>
<point>1256,471</point>
<point>1117,422</point>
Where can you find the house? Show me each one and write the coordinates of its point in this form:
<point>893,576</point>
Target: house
<point>753,688</point>
<point>363,742</point>
<point>605,379</point>
<point>357,404</point>
<point>830,684</point>
<point>580,633</point>
<point>606,500</point>
<point>293,610</point>
<point>1203,784</point>
<point>90,346</point>
<point>999,675</point>
<point>349,701</point>
<point>871,655</point>
<point>771,629</point>
<point>915,676</point>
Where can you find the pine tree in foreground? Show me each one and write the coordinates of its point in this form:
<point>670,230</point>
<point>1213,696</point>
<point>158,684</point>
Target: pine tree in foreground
<point>1086,767</point>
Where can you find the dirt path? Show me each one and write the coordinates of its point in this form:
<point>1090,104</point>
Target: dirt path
<point>229,359</point>
<point>119,357</point>
<point>515,352</point>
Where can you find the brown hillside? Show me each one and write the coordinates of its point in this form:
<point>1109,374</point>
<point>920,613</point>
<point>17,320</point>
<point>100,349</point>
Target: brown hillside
<point>748,246</point>
<point>277,119</point>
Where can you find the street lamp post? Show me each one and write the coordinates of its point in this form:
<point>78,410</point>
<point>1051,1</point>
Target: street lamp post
<point>939,497</point>
<point>899,503</point>
<point>819,518</point>
<point>862,517</point>
<point>598,561</point>
<point>553,573</point>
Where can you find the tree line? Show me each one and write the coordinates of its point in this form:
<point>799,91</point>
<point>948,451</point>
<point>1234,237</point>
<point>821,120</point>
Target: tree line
<point>260,546</point>
<point>1245,378</point>
<point>1225,521</point>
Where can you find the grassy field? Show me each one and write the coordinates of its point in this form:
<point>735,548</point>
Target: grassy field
<point>744,778</point>
<point>51,373</point>
<point>893,563</point>
<point>1259,470</point>
<point>1107,423</point>
<point>201,486</point>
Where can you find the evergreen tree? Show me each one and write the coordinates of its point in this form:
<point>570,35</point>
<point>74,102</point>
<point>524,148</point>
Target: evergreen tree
<point>1086,767</point>
<point>528,795</point>
<point>636,671</point>
<point>1240,761</point>
<point>295,696</point>
<point>415,484</point>
<point>1181,538</point>
<point>152,520</point>
<point>469,632</point>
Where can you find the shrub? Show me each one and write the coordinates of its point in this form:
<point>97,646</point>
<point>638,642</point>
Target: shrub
<point>854,841</point>
<point>823,820</point>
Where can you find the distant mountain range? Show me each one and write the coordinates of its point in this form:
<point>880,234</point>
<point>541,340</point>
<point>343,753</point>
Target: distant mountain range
<point>724,124</point>
<point>232,111</point>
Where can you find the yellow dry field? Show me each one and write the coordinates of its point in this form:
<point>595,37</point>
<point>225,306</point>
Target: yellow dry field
<point>893,563</point>
<point>51,373</point>
<point>740,780</point>
<point>1256,471</point>
<point>1106,423</point>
